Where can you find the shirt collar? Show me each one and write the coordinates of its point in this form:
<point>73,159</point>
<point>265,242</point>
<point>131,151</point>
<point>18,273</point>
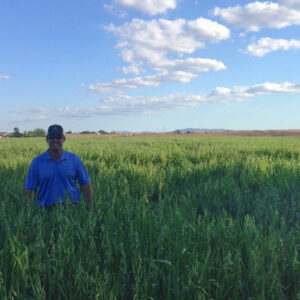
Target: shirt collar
<point>63,156</point>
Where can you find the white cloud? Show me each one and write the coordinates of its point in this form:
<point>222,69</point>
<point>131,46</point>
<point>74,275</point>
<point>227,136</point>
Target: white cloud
<point>269,87</point>
<point>148,45</point>
<point>162,36</point>
<point>4,77</point>
<point>133,68</point>
<point>191,65</point>
<point>172,71</point>
<point>266,45</point>
<point>124,104</point>
<point>178,36</point>
<point>257,15</point>
<point>290,3</point>
<point>152,80</point>
<point>131,83</point>
<point>227,95</point>
<point>205,29</point>
<point>151,7</point>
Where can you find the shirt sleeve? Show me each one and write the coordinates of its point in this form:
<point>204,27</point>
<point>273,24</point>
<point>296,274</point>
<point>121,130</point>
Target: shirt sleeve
<point>32,177</point>
<point>81,173</point>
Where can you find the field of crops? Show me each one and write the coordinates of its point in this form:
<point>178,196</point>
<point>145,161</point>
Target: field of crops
<point>175,218</point>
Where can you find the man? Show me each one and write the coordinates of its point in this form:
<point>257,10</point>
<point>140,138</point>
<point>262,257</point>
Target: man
<point>55,172</point>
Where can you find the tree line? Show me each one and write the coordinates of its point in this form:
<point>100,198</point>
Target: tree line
<point>37,132</point>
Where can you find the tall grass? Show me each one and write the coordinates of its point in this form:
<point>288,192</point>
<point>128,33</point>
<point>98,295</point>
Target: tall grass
<point>175,218</point>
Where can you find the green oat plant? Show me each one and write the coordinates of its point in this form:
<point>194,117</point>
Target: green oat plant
<point>175,218</point>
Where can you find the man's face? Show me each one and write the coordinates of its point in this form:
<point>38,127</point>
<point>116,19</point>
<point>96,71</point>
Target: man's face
<point>55,142</point>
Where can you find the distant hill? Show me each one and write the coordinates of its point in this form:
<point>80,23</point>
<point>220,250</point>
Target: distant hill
<point>198,129</point>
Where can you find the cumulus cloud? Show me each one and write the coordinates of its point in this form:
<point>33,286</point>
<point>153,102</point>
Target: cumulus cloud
<point>151,7</point>
<point>191,65</point>
<point>178,71</point>
<point>290,3</point>
<point>165,36</point>
<point>125,83</point>
<point>153,80</point>
<point>269,87</point>
<point>205,29</point>
<point>257,15</point>
<point>4,77</point>
<point>123,104</point>
<point>147,46</point>
<point>266,45</point>
<point>150,42</point>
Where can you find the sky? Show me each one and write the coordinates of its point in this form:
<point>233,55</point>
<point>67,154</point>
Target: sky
<point>149,65</point>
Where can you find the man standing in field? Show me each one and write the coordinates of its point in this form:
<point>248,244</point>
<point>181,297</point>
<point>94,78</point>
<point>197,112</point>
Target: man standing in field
<point>55,172</point>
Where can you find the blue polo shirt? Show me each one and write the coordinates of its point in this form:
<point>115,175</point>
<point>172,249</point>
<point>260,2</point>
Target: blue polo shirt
<point>56,180</point>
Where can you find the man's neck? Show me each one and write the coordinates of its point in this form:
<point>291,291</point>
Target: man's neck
<point>56,155</point>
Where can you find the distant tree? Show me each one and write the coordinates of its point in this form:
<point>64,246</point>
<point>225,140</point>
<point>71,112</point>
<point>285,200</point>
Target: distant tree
<point>87,132</point>
<point>112,132</point>
<point>178,131</point>
<point>102,131</point>
<point>28,133</point>
<point>38,132</point>
<point>69,132</point>
<point>17,132</point>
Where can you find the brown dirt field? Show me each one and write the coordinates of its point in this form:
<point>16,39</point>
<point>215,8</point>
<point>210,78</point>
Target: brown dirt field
<point>292,132</point>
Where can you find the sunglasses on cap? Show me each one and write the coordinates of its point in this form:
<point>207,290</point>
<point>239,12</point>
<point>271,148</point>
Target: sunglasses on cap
<point>55,135</point>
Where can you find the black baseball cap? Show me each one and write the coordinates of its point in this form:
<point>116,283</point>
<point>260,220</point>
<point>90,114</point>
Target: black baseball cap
<point>55,131</point>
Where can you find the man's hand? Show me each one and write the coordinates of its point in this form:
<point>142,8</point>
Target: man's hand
<point>88,195</point>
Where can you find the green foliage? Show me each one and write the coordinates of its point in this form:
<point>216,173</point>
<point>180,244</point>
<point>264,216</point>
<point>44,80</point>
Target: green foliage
<point>87,132</point>
<point>17,132</point>
<point>102,131</point>
<point>38,132</point>
<point>175,218</point>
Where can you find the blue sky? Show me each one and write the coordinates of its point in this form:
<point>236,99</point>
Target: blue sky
<point>154,65</point>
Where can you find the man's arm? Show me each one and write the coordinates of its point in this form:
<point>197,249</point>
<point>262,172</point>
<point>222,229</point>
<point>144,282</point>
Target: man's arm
<point>29,193</point>
<point>32,180</point>
<point>88,195</point>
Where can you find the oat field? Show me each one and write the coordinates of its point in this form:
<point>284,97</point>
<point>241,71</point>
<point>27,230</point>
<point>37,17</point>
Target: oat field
<point>175,218</point>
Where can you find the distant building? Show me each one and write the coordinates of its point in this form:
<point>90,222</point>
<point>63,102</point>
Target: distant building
<point>5,134</point>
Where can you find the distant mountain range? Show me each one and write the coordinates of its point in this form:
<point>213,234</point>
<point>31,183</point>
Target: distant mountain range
<point>185,130</point>
<point>198,129</point>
